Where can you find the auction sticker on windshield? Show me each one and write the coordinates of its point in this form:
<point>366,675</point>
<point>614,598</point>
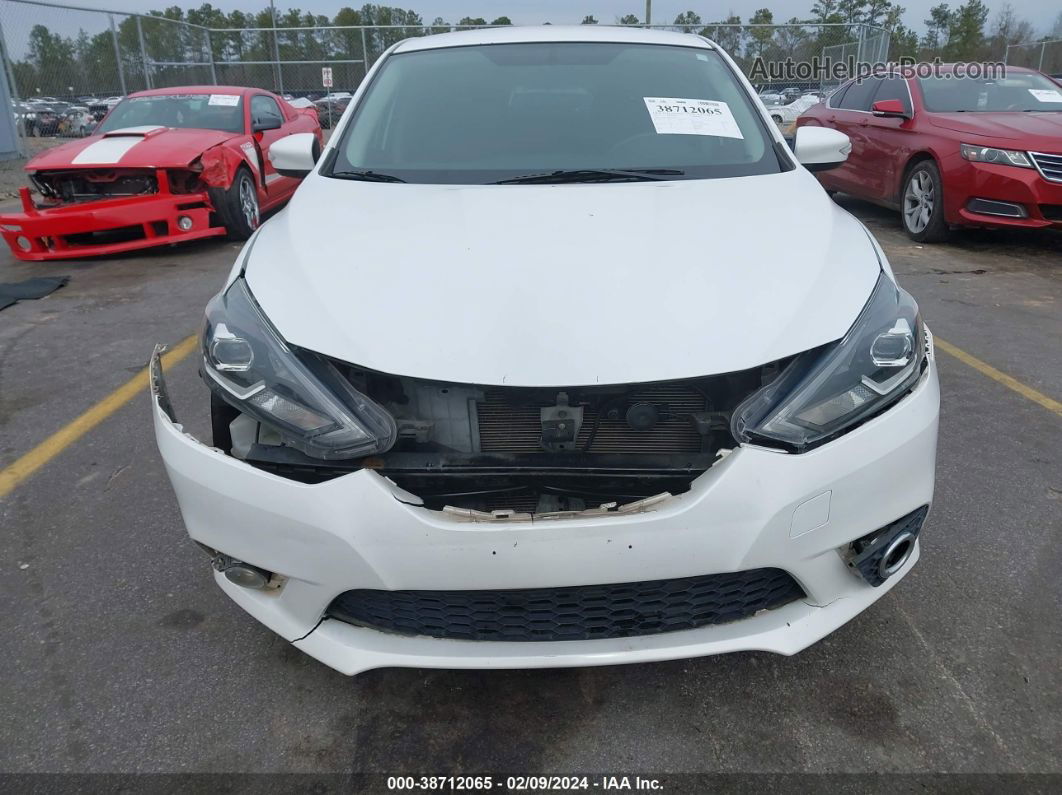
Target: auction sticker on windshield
<point>1046,95</point>
<point>673,116</point>
<point>224,99</point>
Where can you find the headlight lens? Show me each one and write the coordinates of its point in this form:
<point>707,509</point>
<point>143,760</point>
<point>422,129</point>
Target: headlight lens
<point>305,399</point>
<point>989,154</point>
<point>827,391</point>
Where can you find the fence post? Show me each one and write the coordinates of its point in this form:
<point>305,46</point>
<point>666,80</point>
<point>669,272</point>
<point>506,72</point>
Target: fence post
<point>1043,48</point>
<point>210,51</point>
<point>12,88</point>
<point>364,52</point>
<point>143,54</point>
<point>117,54</point>
<point>276,49</point>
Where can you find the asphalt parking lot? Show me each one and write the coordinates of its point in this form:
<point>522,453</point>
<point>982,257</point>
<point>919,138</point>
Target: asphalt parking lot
<point>120,654</point>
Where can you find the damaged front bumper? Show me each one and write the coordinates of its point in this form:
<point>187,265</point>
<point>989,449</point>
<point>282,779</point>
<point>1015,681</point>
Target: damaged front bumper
<point>106,226</point>
<point>754,509</point>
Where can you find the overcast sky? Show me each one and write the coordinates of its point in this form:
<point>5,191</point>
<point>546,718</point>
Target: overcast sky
<point>1041,13</point>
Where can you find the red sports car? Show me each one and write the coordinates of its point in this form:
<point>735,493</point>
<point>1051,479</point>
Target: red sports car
<point>163,166</point>
<point>951,150</point>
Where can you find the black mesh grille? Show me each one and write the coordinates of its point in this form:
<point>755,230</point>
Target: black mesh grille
<point>582,612</point>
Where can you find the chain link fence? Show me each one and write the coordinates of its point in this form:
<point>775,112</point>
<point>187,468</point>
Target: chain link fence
<point>1044,56</point>
<point>73,55</point>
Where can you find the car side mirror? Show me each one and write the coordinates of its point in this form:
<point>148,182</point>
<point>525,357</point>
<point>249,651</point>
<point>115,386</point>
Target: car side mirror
<point>890,109</point>
<point>266,122</point>
<point>821,148</point>
<point>295,155</point>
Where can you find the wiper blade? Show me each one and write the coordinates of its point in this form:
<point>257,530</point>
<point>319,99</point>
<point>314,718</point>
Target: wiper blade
<point>366,176</point>
<point>594,175</point>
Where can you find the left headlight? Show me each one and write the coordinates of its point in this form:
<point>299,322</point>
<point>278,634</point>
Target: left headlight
<point>828,391</point>
<point>248,364</point>
<point>991,154</point>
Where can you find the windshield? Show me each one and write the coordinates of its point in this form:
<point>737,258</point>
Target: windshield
<point>222,112</point>
<point>1018,91</point>
<point>482,114</point>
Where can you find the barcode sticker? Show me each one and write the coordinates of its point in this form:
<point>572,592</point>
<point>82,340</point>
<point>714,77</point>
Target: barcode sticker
<point>674,116</point>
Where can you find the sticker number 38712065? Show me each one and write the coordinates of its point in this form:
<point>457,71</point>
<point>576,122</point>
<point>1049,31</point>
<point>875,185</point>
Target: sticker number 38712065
<point>675,116</point>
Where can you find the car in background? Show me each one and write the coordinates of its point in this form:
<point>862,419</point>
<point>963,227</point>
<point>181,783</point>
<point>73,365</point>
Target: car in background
<point>76,122</point>
<point>951,151</point>
<point>164,166</point>
<point>25,116</point>
<point>422,458</point>
<point>45,118</point>
<point>102,107</point>
<point>787,114</point>
<point>330,108</point>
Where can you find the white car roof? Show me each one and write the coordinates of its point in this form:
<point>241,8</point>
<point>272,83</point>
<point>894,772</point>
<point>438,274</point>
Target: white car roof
<point>552,33</point>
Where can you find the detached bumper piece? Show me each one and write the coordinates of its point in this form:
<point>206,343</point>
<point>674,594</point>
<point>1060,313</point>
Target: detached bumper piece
<point>584,612</point>
<point>879,555</point>
<point>106,226</point>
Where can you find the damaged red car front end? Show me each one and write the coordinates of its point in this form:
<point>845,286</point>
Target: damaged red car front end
<point>109,225</point>
<point>165,167</point>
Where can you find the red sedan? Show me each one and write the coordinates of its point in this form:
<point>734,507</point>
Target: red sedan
<point>164,166</point>
<point>951,151</point>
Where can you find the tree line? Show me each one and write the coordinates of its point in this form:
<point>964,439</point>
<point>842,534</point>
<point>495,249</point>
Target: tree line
<point>154,50</point>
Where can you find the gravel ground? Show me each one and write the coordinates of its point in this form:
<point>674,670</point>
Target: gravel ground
<point>12,172</point>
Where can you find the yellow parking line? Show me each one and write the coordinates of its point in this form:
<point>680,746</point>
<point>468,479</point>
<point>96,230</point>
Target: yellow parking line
<point>13,474</point>
<point>996,375</point>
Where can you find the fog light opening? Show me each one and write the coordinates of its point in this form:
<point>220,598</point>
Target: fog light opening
<point>896,555</point>
<point>243,574</point>
<point>24,243</point>
<point>184,223</point>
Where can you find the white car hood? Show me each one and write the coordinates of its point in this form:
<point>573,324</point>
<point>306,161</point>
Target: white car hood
<point>562,285</point>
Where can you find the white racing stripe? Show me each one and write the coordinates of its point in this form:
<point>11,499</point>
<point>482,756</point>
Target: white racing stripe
<point>112,147</point>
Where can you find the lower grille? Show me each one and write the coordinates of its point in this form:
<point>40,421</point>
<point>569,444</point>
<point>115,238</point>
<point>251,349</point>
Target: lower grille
<point>584,612</point>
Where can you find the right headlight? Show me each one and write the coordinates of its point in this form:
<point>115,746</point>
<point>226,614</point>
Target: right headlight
<point>828,391</point>
<point>304,398</point>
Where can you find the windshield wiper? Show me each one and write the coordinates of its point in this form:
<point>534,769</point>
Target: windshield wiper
<point>594,175</point>
<point>366,176</point>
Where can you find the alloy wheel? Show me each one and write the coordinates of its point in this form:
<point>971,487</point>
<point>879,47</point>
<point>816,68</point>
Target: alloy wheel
<point>919,201</point>
<point>249,203</point>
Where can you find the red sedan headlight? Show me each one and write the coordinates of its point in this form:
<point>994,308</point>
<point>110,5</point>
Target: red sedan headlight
<point>990,154</point>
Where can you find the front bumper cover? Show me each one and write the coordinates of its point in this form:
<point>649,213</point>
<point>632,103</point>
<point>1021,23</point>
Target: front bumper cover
<point>755,508</point>
<point>1026,187</point>
<point>46,230</point>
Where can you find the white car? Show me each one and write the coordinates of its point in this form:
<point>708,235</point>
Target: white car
<point>517,380</point>
<point>787,114</point>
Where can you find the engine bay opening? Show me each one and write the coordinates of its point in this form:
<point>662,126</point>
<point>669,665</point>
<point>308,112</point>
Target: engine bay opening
<point>525,450</point>
<point>73,186</point>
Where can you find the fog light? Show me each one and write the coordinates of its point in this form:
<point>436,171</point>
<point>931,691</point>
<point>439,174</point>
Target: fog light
<point>184,223</point>
<point>246,576</point>
<point>23,243</point>
<point>239,573</point>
